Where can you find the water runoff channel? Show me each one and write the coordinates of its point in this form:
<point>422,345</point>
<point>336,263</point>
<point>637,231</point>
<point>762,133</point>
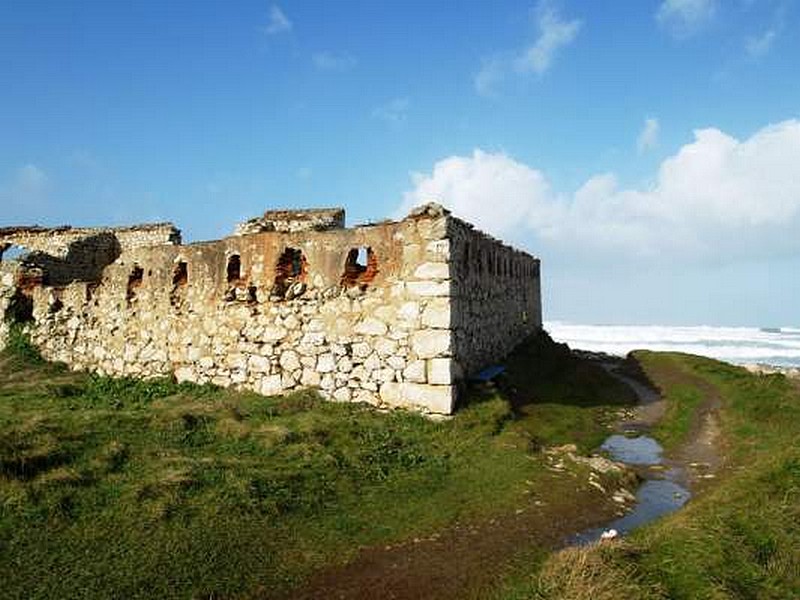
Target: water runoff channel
<point>662,490</point>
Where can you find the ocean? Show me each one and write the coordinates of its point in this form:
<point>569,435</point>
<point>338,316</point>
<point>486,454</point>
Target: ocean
<point>739,345</point>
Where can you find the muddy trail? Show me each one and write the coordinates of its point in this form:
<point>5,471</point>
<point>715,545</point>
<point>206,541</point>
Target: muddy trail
<point>467,560</point>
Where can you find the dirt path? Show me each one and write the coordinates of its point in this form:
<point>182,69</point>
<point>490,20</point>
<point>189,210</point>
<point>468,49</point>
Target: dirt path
<point>460,561</point>
<point>701,454</point>
<point>699,457</point>
<point>463,560</point>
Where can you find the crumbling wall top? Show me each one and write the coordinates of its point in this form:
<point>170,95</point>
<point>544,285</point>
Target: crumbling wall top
<point>293,220</point>
<point>56,241</point>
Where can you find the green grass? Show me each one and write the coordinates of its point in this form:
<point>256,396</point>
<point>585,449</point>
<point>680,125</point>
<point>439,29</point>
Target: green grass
<point>560,398</point>
<point>126,488</point>
<point>739,539</point>
<point>673,374</point>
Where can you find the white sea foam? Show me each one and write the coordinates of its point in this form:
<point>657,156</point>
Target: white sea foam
<point>740,345</point>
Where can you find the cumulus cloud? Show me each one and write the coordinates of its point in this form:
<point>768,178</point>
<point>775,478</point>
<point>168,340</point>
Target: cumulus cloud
<point>686,17</point>
<point>717,198</point>
<point>393,112</point>
<point>648,137</point>
<point>758,45</point>
<point>553,34</point>
<point>277,22</point>
<point>333,61</point>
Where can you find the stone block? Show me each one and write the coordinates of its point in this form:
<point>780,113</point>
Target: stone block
<point>185,374</point>
<point>372,362</point>
<point>431,343</point>
<point>272,333</point>
<point>371,326</point>
<point>385,347</point>
<point>310,377</point>
<point>327,383</point>
<point>342,394</point>
<point>365,397</point>
<point>271,385</point>
<point>432,398</point>
<point>409,311</point>
<point>396,362</point>
<point>345,365</point>
<point>361,350</point>
<point>415,372</point>
<point>258,364</point>
<point>433,270</point>
<point>289,360</point>
<point>326,363</point>
<point>443,371</point>
<point>437,314</point>
<point>438,250</point>
<point>429,289</point>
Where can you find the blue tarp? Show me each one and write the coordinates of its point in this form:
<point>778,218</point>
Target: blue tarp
<point>489,373</point>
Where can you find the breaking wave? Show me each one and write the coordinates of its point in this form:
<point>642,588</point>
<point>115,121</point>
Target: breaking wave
<point>738,345</point>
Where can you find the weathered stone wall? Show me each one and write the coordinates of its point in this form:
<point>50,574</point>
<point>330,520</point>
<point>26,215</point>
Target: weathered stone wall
<point>364,342</point>
<point>393,314</point>
<point>64,254</point>
<point>7,275</point>
<point>292,221</point>
<point>495,297</point>
<point>57,241</point>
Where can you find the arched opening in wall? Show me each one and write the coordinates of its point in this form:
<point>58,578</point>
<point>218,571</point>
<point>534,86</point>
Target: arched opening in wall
<point>234,269</point>
<point>360,267</point>
<point>290,273</point>
<point>12,252</point>
<point>180,279</point>
<point>134,283</point>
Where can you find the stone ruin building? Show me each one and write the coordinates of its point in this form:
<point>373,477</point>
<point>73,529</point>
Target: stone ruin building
<point>395,314</point>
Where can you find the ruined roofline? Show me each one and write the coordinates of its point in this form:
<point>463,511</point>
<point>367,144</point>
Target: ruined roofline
<point>434,209</point>
<point>12,230</point>
<point>490,237</point>
<point>290,220</point>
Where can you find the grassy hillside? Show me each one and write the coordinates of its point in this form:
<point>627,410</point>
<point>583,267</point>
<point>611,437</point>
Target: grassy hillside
<point>122,488</point>
<point>740,538</point>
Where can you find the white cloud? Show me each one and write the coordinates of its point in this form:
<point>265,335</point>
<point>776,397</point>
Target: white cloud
<point>333,61</point>
<point>648,137</point>
<point>686,17</point>
<point>304,173</point>
<point>757,46</point>
<point>278,21</point>
<point>393,112</point>
<point>717,198</point>
<point>553,34</point>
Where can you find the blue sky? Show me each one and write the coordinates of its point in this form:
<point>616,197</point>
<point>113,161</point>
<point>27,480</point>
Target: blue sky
<point>647,151</point>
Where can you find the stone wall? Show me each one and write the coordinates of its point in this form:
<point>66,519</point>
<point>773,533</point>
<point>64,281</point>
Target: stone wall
<point>57,241</point>
<point>291,221</point>
<point>393,314</point>
<point>495,298</point>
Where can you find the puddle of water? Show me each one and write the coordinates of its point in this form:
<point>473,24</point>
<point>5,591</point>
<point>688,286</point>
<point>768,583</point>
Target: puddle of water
<point>654,498</point>
<point>640,450</point>
<point>660,493</point>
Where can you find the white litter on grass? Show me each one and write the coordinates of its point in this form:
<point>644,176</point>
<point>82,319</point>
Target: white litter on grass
<point>608,534</point>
